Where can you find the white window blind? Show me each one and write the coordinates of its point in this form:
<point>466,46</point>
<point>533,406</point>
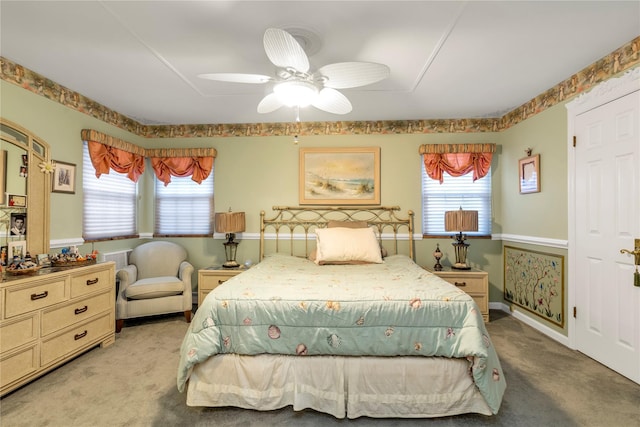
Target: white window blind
<point>184,207</point>
<point>453,193</point>
<point>110,208</point>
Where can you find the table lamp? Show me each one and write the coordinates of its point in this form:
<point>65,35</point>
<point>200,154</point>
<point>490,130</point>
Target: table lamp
<point>461,221</point>
<point>230,223</point>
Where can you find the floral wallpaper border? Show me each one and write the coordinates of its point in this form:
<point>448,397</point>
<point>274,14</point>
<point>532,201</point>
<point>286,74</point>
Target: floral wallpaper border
<point>616,62</point>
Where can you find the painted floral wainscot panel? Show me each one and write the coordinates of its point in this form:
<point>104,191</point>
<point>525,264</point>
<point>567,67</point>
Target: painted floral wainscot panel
<point>535,281</point>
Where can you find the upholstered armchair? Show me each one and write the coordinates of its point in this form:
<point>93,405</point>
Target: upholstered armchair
<point>156,281</point>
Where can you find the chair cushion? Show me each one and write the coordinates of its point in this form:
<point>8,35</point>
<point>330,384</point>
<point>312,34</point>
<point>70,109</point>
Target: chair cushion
<point>156,287</point>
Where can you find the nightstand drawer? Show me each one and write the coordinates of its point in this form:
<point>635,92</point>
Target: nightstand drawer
<point>468,284</point>
<point>211,278</point>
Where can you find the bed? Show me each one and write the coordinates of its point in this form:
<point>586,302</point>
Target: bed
<point>338,317</point>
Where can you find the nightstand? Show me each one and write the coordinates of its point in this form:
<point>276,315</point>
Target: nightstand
<point>210,278</point>
<point>474,282</point>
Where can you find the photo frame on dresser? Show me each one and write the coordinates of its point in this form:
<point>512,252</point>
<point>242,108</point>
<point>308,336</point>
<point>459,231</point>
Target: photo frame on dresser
<point>18,249</point>
<point>339,176</point>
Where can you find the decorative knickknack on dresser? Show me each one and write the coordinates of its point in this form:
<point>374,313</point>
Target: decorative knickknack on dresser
<point>48,318</point>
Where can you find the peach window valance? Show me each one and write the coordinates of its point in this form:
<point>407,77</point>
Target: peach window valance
<point>108,153</point>
<point>194,162</point>
<point>457,159</point>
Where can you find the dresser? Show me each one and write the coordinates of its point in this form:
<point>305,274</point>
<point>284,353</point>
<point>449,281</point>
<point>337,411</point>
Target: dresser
<point>50,317</point>
<point>474,282</point>
<point>212,277</point>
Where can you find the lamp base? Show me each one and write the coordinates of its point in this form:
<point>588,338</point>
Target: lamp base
<point>231,264</point>
<point>460,248</point>
<point>461,266</point>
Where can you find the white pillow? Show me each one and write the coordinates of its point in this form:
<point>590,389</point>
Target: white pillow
<point>342,244</point>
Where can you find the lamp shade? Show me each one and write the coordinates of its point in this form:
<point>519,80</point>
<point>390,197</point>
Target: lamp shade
<point>461,220</point>
<point>230,222</point>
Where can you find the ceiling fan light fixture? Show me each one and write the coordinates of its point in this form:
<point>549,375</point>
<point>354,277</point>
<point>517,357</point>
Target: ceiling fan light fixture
<point>293,93</point>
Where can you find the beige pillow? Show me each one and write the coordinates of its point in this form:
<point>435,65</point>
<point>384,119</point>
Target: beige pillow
<point>342,244</point>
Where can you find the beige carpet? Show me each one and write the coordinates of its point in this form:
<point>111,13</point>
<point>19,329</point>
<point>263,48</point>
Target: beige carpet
<point>133,383</point>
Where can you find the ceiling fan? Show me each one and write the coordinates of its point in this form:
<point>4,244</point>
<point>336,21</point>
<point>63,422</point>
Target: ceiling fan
<point>296,86</point>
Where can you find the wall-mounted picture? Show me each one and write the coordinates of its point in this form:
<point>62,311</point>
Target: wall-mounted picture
<point>64,178</point>
<point>16,200</point>
<point>535,281</point>
<point>17,249</point>
<point>18,224</point>
<point>529,171</point>
<point>344,176</point>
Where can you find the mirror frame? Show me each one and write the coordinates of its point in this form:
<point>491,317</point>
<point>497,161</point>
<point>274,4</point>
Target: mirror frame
<point>38,190</point>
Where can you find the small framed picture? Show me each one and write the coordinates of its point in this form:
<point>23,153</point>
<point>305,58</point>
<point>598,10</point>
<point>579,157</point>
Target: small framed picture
<point>17,249</point>
<point>43,260</point>
<point>16,200</point>
<point>529,173</point>
<point>4,251</point>
<point>18,224</point>
<point>64,178</point>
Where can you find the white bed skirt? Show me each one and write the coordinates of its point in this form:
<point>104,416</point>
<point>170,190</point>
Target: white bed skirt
<point>403,387</point>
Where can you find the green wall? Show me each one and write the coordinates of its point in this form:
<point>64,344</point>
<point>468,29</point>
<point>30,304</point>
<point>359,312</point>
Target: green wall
<point>255,173</point>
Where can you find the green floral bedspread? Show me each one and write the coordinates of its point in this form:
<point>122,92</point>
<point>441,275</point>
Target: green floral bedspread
<point>289,305</point>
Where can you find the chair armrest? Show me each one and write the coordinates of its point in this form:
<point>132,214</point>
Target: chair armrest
<point>184,273</point>
<point>127,276</point>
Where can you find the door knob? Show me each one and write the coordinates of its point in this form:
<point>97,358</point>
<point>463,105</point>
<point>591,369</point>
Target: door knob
<point>635,252</point>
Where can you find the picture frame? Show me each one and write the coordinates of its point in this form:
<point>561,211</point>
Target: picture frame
<point>18,224</point>
<point>16,200</point>
<point>4,255</point>
<point>529,174</point>
<point>64,178</point>
<point>43,260</point>
<point>534,281</point>
<point>339,176</point>
<point>17,248</point>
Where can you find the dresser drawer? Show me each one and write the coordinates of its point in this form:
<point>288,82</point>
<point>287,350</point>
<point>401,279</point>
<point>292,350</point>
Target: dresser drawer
<point>91,282</point>
<point>77,311</point>
<point>15,333</point>
<point>76,338</point>
<point>22,299</point>
<point>468,284</point>
<point>18,365</point>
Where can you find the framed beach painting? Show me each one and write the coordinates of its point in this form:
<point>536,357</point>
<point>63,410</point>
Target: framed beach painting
<point>339,176</point>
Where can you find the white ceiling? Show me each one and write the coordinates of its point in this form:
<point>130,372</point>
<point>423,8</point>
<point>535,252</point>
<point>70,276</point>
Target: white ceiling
<point>448,59</point>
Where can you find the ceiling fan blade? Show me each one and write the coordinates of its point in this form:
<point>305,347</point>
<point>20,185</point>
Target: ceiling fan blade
<point>284,51</point>
<point>236,77</point>
<point>269,103</point>
<point>332,101</point>
<point>344,75</point>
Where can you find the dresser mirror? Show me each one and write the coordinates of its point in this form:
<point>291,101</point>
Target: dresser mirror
<point>24,188</point>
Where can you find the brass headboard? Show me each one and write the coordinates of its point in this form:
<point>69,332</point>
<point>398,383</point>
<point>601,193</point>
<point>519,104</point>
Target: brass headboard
<point>293,223</point>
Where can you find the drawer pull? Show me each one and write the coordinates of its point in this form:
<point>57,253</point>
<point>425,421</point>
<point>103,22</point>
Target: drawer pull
<point>39,296</point>
<point>92,282</point>
<point>220,281</point>
<point>80,336</point>
<point>81,310</point>
<point>461,283</point>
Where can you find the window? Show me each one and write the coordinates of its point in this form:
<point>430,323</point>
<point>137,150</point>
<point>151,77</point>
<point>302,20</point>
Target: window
<point>184,207</point>
<point>453,193</point>
<point>110,208</point>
